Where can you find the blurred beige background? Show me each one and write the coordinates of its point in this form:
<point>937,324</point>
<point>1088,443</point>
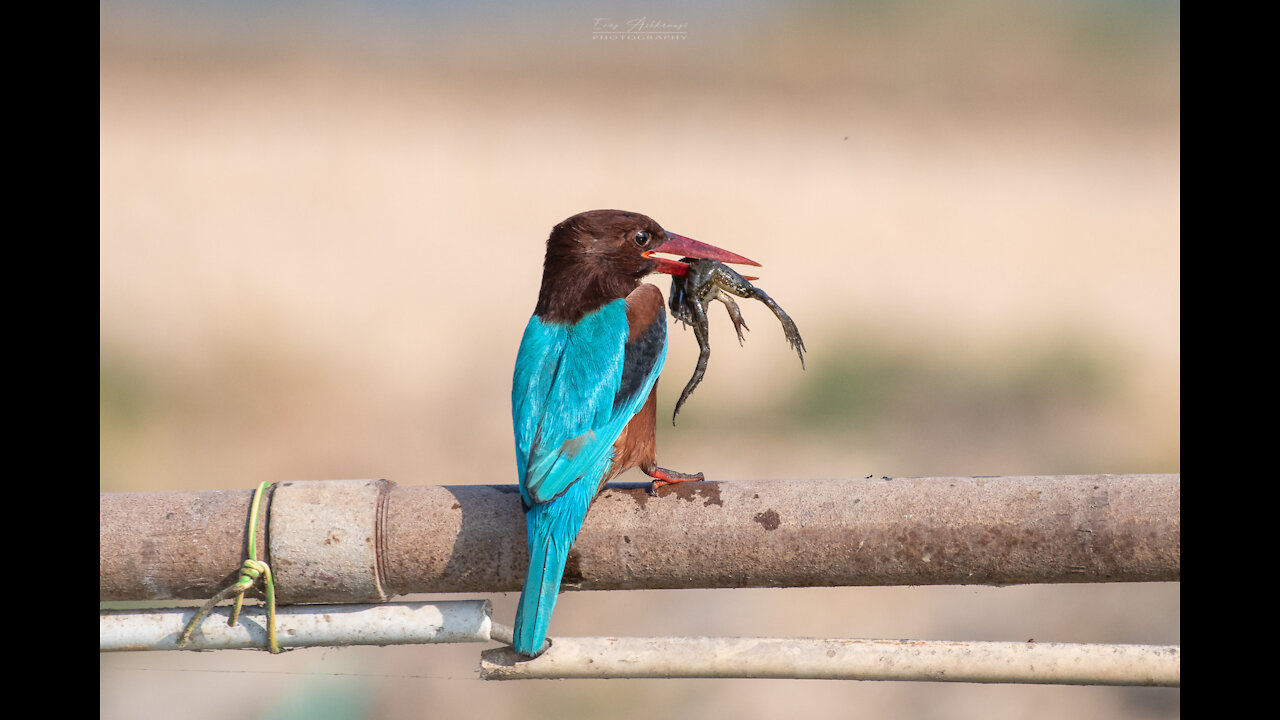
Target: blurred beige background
<point>322,230</point>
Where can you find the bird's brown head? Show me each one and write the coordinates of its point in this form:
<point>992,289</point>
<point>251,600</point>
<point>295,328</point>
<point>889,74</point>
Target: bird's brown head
<point>601,255</point>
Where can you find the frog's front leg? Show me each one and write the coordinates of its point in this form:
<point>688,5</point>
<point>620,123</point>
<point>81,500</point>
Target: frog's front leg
<point>739,324</point>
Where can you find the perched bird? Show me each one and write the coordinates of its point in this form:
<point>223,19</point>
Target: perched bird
<point>584,396</point>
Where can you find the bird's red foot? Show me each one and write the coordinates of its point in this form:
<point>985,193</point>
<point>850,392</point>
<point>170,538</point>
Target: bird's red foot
<point>663,476</point>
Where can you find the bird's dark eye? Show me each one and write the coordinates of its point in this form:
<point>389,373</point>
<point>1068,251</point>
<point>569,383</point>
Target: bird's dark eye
<point>642,237</point>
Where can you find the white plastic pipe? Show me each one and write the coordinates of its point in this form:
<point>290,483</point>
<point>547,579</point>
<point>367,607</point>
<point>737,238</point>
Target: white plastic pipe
<point>842,659</point>
<point>401,623</point>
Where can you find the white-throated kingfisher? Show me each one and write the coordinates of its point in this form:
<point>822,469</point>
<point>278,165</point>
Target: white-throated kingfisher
<point>584,396</point>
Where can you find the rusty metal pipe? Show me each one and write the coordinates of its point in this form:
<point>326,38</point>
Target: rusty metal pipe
<point>470,538</point>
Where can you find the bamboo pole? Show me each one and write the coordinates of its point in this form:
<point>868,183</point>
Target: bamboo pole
<point>367,541</point>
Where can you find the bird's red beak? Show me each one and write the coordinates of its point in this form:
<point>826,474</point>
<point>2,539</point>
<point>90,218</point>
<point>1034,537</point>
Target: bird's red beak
<point>688,247</point>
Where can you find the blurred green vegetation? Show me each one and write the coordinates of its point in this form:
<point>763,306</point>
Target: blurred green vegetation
<point>127,407</point>
<point>125,393</point>
<point>1061,403</point>
<point>872,382</point>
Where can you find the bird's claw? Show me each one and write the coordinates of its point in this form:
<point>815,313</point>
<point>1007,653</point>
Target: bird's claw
<point>663,476</point>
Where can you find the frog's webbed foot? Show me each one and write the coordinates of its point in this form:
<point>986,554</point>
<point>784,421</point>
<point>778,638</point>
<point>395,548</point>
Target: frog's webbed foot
<point>680,310</point>
<point>788,325</point>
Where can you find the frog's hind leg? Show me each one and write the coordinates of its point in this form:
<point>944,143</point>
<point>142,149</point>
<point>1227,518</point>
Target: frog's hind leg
<point>788,325</point>
<point>699,331</point>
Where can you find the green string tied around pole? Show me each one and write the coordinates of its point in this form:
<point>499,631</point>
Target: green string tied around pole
<point>252,571</point>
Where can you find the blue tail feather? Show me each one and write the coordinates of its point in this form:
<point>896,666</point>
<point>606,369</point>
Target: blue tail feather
<point>547,557</point>
<point>552,528</point>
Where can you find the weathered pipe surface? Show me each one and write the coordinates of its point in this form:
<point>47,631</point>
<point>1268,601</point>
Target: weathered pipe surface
<point>876,531</point>
<point>915,531</point>
<point>172,545</point>
<point>842,659</point>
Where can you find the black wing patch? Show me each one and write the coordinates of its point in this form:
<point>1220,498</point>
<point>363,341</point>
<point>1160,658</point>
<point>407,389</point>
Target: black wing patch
<point>639,357</point>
